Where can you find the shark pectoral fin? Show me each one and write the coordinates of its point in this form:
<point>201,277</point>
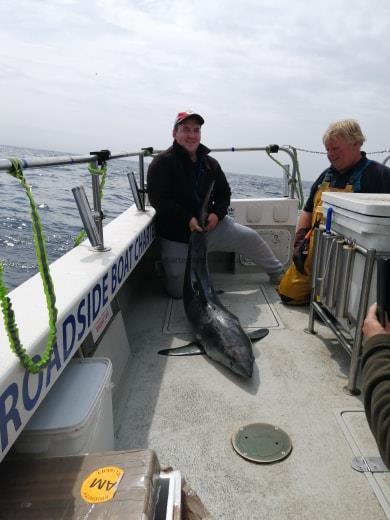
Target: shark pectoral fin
<point>258,334</point>
<point>192,349</point>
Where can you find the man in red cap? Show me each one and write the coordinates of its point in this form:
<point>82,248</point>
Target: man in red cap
<point>178,180</point>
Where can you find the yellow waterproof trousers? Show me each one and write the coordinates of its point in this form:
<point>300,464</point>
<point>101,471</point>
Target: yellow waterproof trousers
<point>294,287</point>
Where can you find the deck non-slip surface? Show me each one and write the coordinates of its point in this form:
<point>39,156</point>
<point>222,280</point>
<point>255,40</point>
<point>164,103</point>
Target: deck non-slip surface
<point>188,408</point>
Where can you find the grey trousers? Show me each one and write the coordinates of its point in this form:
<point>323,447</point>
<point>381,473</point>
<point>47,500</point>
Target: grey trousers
<point>228,236</point>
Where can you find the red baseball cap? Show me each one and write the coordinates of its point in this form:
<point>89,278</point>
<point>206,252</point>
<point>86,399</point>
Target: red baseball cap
<point>182,116</point>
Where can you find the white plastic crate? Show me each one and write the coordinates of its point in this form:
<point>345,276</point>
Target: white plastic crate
<point>76,416</point>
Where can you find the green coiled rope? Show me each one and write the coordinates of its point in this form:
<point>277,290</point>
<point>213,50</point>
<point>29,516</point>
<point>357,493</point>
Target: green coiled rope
<point>43,266</point>
<point>93,171</point>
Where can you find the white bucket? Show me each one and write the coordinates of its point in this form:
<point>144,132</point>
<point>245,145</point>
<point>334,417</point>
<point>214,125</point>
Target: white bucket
<point>76,415</point>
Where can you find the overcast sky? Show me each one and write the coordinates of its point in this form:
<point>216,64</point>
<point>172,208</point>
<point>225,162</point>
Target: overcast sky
<point>80,75</point>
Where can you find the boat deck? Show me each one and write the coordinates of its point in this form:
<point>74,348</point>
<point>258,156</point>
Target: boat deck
<point>188,408</point>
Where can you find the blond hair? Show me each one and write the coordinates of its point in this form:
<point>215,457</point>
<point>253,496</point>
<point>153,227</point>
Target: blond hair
<point>347,128</point>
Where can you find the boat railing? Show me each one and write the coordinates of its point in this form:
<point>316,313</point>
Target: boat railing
<point>291,179</point>
<point>92,219</point>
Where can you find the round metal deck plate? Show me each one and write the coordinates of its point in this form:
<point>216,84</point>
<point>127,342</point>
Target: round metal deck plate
<point>262,442</point>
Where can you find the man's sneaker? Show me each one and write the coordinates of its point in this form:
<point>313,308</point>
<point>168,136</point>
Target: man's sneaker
<point>276,278</point>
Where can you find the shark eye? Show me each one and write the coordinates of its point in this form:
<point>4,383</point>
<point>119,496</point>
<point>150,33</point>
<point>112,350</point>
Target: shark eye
<point>236,354</point>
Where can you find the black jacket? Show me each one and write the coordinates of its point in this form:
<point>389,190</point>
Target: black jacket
<point>176,191</point>
<point>376,389</point>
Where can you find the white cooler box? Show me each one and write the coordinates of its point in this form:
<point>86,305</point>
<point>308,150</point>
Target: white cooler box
<point>76,415</point>
<point>364,218</point>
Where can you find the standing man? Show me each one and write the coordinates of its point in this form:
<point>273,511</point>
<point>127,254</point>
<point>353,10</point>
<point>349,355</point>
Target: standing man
<point>178,180</point>
<point>349,171</point>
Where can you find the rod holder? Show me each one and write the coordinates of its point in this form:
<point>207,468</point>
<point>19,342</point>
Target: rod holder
<point>88,220</point>
<point>323,265</point>
<point>337,277</point>
<point>138,194</point>
<point>348,253</point>
<point>97,214</point>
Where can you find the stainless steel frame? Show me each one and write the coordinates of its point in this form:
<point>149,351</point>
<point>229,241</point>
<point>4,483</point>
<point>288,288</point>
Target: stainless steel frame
<point>332,269</point>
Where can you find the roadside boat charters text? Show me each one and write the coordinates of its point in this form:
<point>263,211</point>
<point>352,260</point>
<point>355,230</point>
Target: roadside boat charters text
<point>23,394</point>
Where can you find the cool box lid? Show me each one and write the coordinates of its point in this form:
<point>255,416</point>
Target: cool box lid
<point>74,396</point>
<point>370,204</point>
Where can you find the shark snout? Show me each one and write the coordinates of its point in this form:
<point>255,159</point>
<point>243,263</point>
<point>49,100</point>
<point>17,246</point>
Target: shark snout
<point>242,363</point>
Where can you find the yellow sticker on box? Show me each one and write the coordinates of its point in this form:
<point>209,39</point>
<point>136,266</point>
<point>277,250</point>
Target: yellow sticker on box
<point>101,485</point>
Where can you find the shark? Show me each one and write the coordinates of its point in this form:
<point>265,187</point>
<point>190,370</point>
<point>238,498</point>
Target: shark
<point>218,332</point>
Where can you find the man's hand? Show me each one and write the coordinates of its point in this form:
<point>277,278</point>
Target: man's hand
<point>212,221</point>
<point>371,326</point>
<point>194,225</point>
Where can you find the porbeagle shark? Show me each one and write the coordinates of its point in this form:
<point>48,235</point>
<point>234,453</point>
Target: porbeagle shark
<point>218,332</point>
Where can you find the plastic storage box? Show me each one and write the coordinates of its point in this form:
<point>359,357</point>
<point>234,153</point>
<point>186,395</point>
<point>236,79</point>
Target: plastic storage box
<point>76,415</point>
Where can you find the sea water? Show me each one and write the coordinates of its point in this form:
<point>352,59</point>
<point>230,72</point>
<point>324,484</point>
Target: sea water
<point>51,188</point>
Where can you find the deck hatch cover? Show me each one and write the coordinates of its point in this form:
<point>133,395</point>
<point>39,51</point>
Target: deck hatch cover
<point>262,442</point>
<point>250,304</point>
